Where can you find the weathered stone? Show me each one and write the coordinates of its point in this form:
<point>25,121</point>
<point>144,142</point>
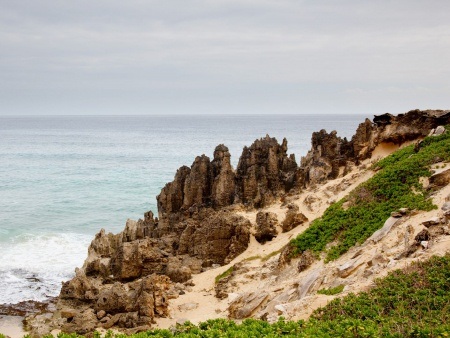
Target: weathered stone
<point>349,267</point>
<point>69,313</point>
<point>101,314</point>
<point>424,235</point>
<point>446,206</point>
<point>293,218</point>
<point>438,131</point>
<point>330,153</point>
<point>403,211</point>
<point>285,256</point>
<point>78,288</point>
<point>223,178</point>
<point>217,239</point>
<point>82,323</point>
<point>305,260</point>
<point>266,226</point>
<point>246,304</point>
<point>188,306</point>
<point>439,180</point>
<point>263,172</point>
<point>307,283</point>
<point>381,233</point>
<point>431,222</point>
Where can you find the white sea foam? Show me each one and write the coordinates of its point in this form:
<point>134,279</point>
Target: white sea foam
<point>33,267</point>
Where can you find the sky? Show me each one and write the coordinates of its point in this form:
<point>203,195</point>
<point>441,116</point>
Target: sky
<point>223,57</point>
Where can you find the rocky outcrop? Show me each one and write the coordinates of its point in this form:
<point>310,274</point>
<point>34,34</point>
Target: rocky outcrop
<point>293,218</point>
<point>85,305</point>
<point>264,170</point>
<point>331,155</point>
<point>266,226</point>
<point>246,304</point>
<point>216,239</point>
<point>205,184</point>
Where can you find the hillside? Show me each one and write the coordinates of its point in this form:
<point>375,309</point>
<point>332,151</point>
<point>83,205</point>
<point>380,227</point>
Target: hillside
<point>273,238</point>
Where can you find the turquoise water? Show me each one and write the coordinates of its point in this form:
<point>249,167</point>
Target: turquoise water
<point>62,179</point>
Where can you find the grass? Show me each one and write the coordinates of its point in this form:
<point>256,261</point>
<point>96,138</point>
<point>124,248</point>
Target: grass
<point>414,302</point>
<point>251,258</point>
<point>356,217</point>
<point>224,274</point>
<point>268,256</point>
<point>331,291</point>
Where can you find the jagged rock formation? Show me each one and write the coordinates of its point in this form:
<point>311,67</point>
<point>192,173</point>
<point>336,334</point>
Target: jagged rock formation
<point>330,155</point>
<point>264,170</point>
<point>127,279</point>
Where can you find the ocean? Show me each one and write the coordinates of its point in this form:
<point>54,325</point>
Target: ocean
<point>63,178</point>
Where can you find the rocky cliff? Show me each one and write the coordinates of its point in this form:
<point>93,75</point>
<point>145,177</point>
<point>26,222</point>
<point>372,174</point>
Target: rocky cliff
<point>128,279</point>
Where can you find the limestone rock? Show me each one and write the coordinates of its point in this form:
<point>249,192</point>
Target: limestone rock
<point>330,154</point>
<point>438,131</point>
<point>223,178</point>
<point>293,218</point>
<point>381,233</point>
<point>307,283</point>
<point>266,226</point>
<point>79,287</point>
<point>424,235</point>
<point>138,258</point>
<point>217,239</point>
<point>305,261</point>
<point>264,170</point>
<point>82,323</point>
<point>446,206</point>
<point>246,304</point>
<point>431,222</point>
<point>187,306</point>
<point>439,180</point>
<point>349,267</point>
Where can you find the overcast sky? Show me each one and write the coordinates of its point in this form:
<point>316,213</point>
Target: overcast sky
<point>223,56</point>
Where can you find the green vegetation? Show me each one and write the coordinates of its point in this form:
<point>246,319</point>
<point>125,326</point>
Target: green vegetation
<point>331,291</point>
<point>268,256</point>
<point>414,302</point>
<point>251,258</point>
<point>396,185</point>
<point>224,274</point>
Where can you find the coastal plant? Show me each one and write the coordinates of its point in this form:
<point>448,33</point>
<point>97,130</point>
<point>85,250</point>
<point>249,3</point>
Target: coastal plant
<point>270,255</point>
<point>356,217</point>
<point>224,274</point>
<point>331,291</point>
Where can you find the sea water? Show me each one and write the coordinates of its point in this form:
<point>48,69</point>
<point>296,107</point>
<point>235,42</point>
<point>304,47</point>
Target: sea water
<point>63,178</point>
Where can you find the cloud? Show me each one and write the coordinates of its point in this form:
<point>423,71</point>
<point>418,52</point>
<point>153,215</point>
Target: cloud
<point>202,56</point>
